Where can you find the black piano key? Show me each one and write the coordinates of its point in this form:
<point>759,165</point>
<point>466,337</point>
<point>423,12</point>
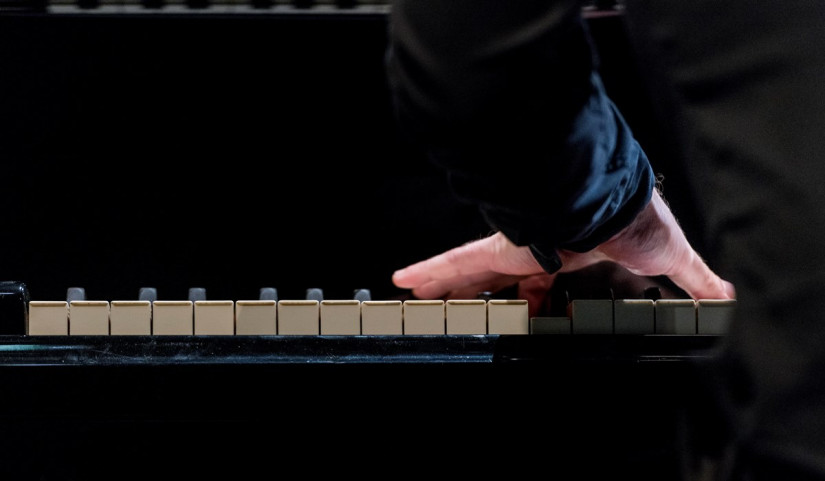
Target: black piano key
<point>148,294</point>
<point>153,4</point>
<point>197,294</point>
<point>556,302</point>
<point>486,295</point>
<point>653,292</point>
<point>362,295</point>
<point>315,294</point>
<point>198,4</point>
<point>262,4</point>
<point>75,294</point>
<point>268,294</point>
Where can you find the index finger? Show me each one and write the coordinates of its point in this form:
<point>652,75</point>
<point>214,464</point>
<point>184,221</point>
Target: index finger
<point>463,261</point>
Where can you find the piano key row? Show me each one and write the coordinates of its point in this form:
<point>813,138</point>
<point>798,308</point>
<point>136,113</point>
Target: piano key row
<point>370,317</point>
<point>589,8</point>
<point>278,317</point>
<point>214,6</point>
<point>640,316</point>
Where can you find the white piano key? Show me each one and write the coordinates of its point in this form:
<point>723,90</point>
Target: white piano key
<point>89,318</point>
<point>298,317</point>
<point>713,316</point>
<point>340,317</point>
<point>172,318</point>
<point>424,317</point>
<point>256,317</point>
<point>634,316</point>
<point>48,318</point>
<point>214,317</point>
<point>591,316</point>
<point>466,316</point>
<point>550,325</point>
<point>675,316</point>
<point>130,318</point>
<point>507,316</point>
<point>382,317</point>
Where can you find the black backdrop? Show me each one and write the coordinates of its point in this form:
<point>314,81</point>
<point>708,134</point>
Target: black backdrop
<point>226,152</point>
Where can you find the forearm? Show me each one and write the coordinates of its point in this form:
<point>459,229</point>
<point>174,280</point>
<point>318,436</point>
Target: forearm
<point>510,103</point>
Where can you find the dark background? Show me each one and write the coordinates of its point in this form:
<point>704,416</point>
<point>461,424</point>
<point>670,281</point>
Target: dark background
<point>235,152</point>
<point>229,152</point>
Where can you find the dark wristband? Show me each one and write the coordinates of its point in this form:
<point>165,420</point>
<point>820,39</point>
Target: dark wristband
<point>547,258</point>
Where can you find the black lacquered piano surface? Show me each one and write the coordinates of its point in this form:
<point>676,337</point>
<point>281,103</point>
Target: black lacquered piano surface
<point>600,405</point>
<point>82,406</point>
<point>166,149</point>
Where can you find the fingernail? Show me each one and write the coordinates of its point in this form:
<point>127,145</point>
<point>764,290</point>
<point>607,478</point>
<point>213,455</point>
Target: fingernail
<point>730,290</point>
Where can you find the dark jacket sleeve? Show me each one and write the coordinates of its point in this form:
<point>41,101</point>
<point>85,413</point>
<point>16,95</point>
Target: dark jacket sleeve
<point>506,96</point>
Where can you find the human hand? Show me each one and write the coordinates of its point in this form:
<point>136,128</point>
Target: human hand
<point>652,245</point>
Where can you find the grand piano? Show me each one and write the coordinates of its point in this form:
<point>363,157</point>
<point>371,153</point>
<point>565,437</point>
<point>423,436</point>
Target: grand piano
<point>237,145</point>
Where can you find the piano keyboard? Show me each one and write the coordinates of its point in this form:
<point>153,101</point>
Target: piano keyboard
<point>362,316</point>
